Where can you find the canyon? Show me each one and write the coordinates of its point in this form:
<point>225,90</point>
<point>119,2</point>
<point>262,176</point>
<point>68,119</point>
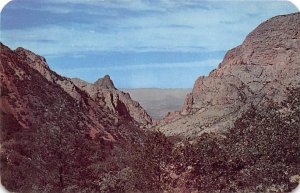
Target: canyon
<point>237,131</point>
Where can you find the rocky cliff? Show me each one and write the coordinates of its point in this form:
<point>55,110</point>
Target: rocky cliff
<point>43,126</point>
<point>55,137</point>
<point>104,92</point>
<point>259,70</point>
<point>105,83</point>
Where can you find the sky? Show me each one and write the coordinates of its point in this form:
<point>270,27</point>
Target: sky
<point>139,43</point>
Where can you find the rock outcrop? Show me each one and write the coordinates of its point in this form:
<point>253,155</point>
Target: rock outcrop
<point>104,92</point>
<point>260,153</point>
<point>259,70</point>
<point>105,83</point>
<point>43,127</point>
<point>55,137</point>
<point>39,64</point>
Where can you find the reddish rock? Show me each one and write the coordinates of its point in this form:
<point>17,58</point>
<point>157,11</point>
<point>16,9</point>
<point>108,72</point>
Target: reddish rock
<point>257,71</point>
<point>55,137</point>
<point>170,116</point>
<point>104,92</point>
<point>105,83</point>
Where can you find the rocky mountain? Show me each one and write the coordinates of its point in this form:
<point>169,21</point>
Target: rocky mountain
<point>260,153</point>
<point>105,83</point>
<point>159,102</point>
<point>43,126</point>
<point>104,92</point>
<point>54,133</point>
<point>252,74</point>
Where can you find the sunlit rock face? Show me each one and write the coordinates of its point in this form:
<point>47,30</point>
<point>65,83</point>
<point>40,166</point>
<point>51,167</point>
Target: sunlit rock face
<point>105,93</point>
<point>259,70</point>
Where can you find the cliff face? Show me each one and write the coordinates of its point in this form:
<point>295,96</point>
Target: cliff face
<point>39,64</point>
<point>104,93</point>
<point>260,153</point>
<point>105,83</point>
<point>53,133</point>
<point>43,126</point>
<point>259,70</point>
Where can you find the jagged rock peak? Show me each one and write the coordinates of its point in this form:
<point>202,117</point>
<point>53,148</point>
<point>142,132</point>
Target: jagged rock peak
<point>105,83</point>
<point>104,92</point>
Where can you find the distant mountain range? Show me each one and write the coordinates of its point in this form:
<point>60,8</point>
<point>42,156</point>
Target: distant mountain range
<point>158,102</point>
<point>237,131</point>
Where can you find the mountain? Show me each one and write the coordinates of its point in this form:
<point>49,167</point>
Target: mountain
<point>252,74</point>
<point>158,102</point>
<point>105,83</point>
<point>44,121</point>
<point>104,92</point>
<point>259,153</point>
<point>238,130</point>
<point>110,98</point>
<point>54,133</point>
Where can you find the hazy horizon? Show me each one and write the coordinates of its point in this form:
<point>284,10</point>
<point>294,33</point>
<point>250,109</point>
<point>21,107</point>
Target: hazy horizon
<point>140,44</point>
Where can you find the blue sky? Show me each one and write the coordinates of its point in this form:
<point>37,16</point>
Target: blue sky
<point>139,43</point>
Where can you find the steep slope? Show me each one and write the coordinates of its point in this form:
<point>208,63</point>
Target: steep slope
<point>104,92</point>
<point>42,128</point>
<point>260,153</point>
<point>253,73</point>
<point>105,83</point>
<point>114,100</point>
<point>56,138</point>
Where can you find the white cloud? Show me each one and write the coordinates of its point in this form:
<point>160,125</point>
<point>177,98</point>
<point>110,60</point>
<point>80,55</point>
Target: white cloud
<point>199,64</point>
<point>214,27</point>
<point>164,75</point>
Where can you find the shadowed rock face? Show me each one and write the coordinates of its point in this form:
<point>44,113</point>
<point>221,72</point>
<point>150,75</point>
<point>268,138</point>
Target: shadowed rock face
<point>104,92</point>
<point>105,83</point>
<point>103,89</point>
<point>43,126</point>
<point>54,134</point>
<point>257,71</point>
